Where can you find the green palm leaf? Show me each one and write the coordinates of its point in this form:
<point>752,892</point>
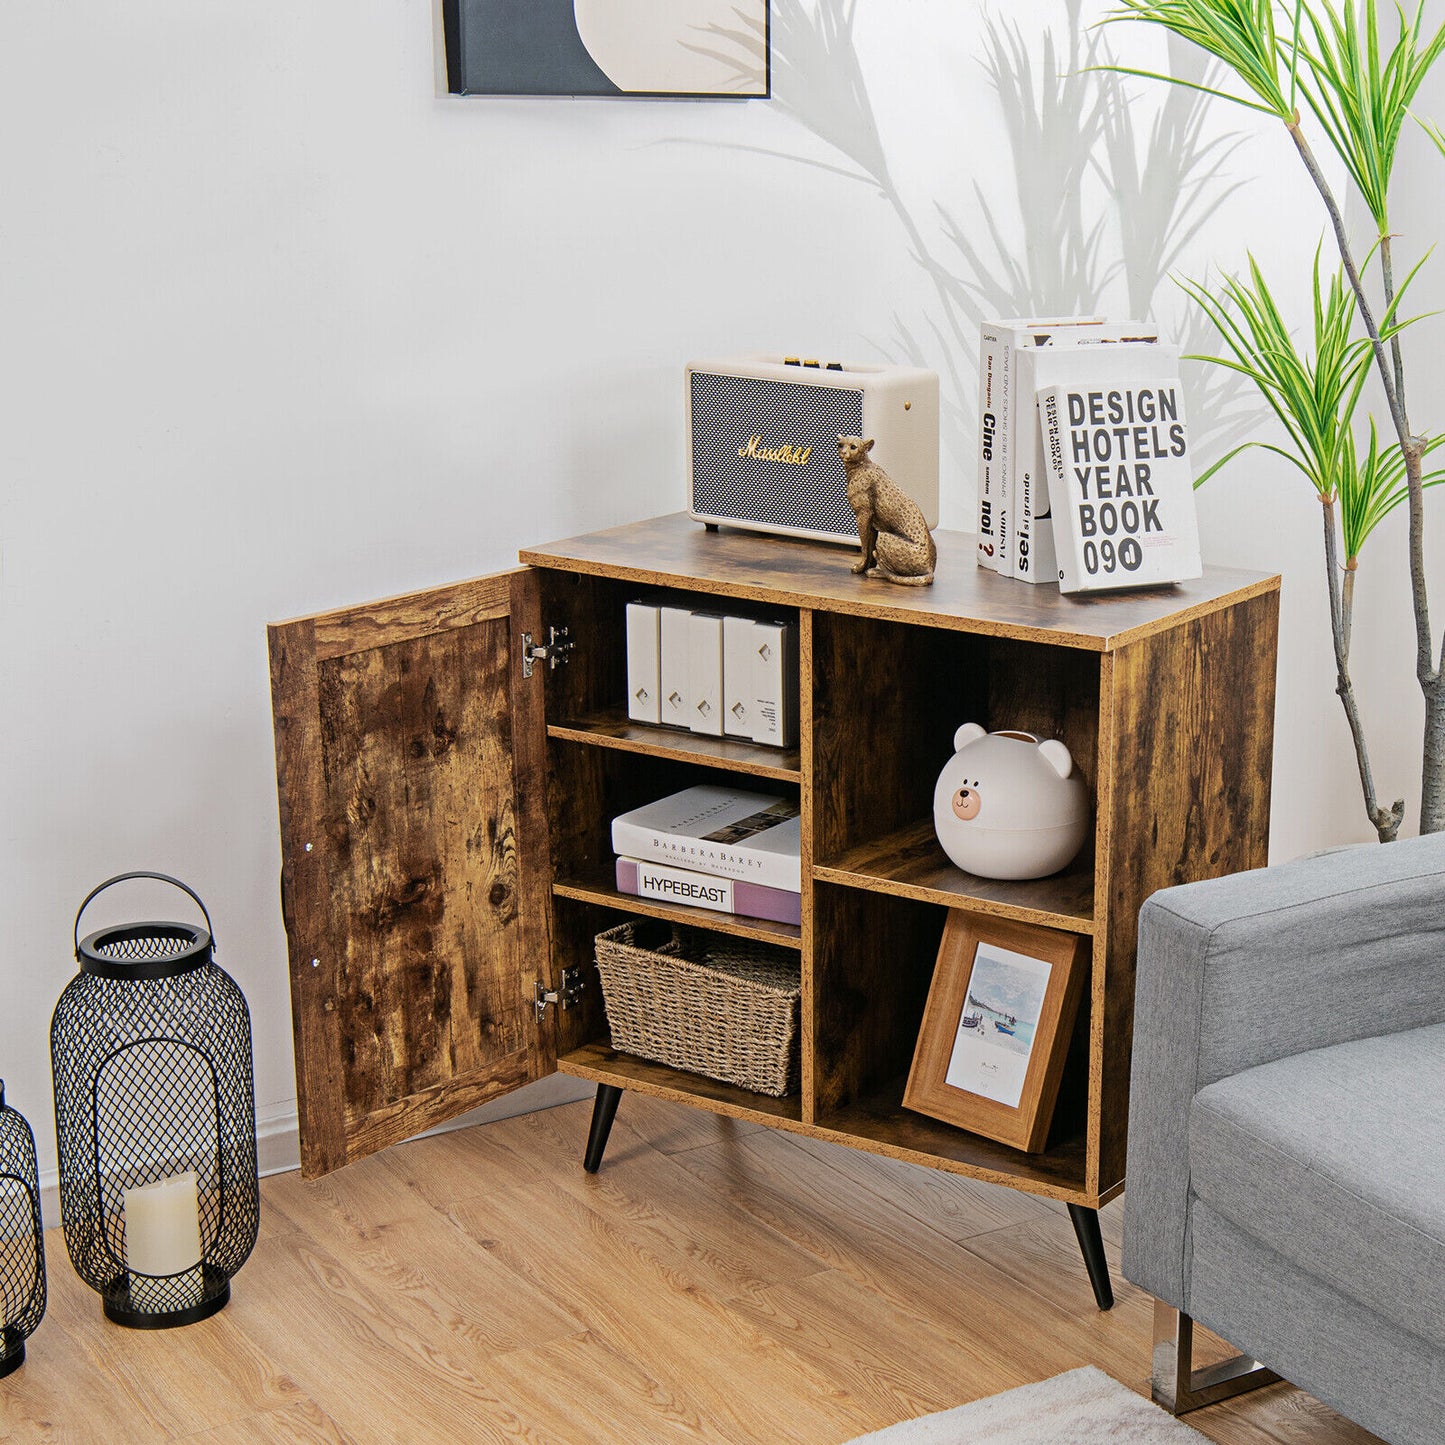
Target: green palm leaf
<point>1373,485</point>
<point>1239,33</point>
<point>1315,394</point>
<point>1360,94</point>
<point>1312,396</point>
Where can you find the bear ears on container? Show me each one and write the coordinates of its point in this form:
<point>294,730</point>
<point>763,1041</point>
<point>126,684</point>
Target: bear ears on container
<point>1055,753</point>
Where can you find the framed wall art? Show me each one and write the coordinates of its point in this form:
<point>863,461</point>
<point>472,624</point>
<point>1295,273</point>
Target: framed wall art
<point>996,1028</point>
<point>708,49</point>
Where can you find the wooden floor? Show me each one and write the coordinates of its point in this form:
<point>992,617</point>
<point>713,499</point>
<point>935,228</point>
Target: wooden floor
<point>713,1282</point>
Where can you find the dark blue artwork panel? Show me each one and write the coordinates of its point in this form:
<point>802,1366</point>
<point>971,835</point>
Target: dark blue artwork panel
<point>704,48</point>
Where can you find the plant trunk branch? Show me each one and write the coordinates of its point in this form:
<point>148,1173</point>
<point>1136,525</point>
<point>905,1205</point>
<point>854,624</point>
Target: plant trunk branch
<point>1432,781</point>
<point>1367,315</point>
<point>1432,771</point>
<point>1387,275</point>
<point>1412,450</point>
<point>1347,607</point>
<point>1385,821</point>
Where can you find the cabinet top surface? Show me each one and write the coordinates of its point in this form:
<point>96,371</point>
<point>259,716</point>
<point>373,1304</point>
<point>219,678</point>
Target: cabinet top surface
<point>674,551</point>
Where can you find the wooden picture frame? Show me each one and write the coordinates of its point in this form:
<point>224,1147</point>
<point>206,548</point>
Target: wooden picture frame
<point>996,1028</point>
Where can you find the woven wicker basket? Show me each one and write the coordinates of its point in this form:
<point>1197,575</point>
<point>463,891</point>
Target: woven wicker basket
<point>723,1007</point>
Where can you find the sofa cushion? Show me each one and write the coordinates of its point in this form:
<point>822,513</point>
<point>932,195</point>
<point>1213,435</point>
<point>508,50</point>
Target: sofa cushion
<point>1335,1159</point>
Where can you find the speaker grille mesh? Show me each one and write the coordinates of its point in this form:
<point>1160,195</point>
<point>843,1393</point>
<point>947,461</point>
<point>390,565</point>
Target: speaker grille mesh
<point>727,411</point>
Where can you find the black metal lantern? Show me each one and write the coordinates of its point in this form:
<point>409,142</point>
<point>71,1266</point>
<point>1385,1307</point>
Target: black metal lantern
<point>22,1239</point>
<point>155,1117</point>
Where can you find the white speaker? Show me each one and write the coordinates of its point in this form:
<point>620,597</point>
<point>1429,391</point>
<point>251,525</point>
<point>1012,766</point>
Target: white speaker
<point>762,436</point>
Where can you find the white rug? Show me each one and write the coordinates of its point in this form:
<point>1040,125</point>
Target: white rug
<point>1083,1407</point>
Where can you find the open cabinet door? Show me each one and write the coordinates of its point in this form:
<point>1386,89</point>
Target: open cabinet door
<point>410,762</point>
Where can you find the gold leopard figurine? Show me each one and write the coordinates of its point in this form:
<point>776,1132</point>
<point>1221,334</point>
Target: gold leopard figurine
<point>892,530</point>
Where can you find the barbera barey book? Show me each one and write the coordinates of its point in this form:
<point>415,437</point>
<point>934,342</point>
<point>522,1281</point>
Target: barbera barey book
<point>706,890</point>
<point>1000,342</point>
<point>755,837</point>
<point>1121,479</point>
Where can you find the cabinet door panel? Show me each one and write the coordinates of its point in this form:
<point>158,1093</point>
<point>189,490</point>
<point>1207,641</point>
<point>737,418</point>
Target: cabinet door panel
<point>414,867</point>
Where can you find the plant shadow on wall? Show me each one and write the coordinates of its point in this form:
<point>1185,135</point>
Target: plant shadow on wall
<point>1071,137</point>
<point>1356,88</point>
<point>1071,145</point>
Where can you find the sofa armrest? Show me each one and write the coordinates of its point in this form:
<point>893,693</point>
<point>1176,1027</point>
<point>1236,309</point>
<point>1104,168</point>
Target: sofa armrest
<point>1239,971</point>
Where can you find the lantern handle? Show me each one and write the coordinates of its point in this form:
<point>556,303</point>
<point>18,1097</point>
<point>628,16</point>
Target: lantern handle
<point>125,877</point>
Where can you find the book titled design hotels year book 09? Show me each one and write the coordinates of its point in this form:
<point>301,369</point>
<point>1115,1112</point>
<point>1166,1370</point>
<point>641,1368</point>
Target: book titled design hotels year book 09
<point>705,890</point>
<point>754,837</point>
<point>1120,476</point>
<point>1032,554</point>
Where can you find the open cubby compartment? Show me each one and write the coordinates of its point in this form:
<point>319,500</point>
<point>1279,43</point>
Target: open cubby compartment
<point>887,699</point>
<point>587,694</point>
<point>589,786</point>
<point>873,957</point>
<point>584,1041</point>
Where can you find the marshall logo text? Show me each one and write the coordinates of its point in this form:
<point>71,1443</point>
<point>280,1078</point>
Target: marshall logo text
<point>798,456</point>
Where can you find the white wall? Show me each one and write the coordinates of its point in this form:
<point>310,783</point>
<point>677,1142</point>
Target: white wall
<point>282,328</point>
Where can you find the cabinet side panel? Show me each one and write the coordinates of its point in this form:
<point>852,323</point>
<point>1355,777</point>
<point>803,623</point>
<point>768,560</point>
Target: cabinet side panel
<point>1186,747</point>
<point>304,897</point>
<point>535,921</point>
<point>807,806</point>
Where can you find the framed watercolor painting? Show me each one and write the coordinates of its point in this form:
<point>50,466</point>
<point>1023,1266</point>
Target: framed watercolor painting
<point>709,49</point>
<point>996,1028</point>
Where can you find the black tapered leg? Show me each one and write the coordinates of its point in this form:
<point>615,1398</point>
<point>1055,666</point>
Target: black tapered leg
<point>604,1110</point>
<point>1091,1245</point>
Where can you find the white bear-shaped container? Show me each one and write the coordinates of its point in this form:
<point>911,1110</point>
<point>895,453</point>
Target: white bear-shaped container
<point>1009,806</point>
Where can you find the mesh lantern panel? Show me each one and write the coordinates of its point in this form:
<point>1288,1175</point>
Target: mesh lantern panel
<point>153,1078</point>
<point>22,1245</point>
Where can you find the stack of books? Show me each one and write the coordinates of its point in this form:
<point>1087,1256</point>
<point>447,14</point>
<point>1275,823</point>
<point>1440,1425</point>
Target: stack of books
<point>1084,472</point>
<point>718,848</point>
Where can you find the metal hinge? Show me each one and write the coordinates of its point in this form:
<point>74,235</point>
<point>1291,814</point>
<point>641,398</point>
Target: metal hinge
<point>555,650</point>
<point>572,988</point>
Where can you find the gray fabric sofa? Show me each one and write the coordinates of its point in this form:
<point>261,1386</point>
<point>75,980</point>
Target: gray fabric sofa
<point>1286,1169</point>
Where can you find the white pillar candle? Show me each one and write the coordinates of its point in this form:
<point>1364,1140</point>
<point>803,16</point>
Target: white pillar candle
<point>163,1226</point>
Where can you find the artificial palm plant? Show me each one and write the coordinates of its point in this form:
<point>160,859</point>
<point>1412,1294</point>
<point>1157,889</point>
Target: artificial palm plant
<point>1358,90</point>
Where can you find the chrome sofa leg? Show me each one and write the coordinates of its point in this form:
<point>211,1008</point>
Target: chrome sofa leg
<point>1178,1386</point>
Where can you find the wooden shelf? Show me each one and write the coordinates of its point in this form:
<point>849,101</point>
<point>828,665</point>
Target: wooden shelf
<point>603,1063</point>
<point>612,728</point>
<point>601,887</point>
<point>910,863</point>
<point>880,1122</point>
<point>674,551</point>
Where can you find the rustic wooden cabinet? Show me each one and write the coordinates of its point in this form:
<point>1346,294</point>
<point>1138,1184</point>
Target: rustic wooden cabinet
<point>448,765</point>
